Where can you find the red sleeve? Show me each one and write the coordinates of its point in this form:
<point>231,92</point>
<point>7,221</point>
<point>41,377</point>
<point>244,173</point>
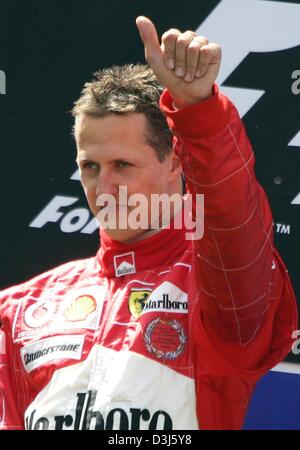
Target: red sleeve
<point>9,416</point>
<point>239,272</point>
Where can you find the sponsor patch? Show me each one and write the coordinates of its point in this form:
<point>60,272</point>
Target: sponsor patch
<point>167,298</point>
<point>165,339</point>
<point>57,312</point>
<point>86,416</point>
<point>124,264</point>
<point>59,347</point>
<point>80,308</point>
<point>39,313</point>
<point>137,300</point>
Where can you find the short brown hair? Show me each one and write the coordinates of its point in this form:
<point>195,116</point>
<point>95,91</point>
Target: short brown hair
<point>125,89</point>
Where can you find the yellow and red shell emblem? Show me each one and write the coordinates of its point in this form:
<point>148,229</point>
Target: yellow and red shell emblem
<point>80,308</point>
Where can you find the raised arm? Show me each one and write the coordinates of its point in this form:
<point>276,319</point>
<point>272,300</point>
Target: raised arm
<point>241,276</point>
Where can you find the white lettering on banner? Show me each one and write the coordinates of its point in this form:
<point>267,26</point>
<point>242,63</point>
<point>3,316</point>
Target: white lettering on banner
<point>283,229</point>
<point>296,200</point>
<point>75,176</point>
<point>72,221</point>
<point>51,212</point>
<point>92,226</point>
<point>296,84</point>
<point>295,142</point>
<point>69,225</point>
<point>231,24</point>
<point>58,347</point>
<point>2,82</point>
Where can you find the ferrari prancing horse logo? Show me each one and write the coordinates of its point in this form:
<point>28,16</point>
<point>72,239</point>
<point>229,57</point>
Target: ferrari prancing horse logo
<point>137,301</point>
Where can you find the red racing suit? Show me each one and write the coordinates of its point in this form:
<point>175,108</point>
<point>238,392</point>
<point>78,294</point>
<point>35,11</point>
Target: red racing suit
<point>163,333</point>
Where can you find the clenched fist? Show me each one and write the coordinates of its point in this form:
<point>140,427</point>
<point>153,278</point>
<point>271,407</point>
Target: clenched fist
<point>186,64</point>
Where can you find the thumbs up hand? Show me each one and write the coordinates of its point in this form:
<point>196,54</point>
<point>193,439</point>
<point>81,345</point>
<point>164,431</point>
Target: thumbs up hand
<point>184,63</point>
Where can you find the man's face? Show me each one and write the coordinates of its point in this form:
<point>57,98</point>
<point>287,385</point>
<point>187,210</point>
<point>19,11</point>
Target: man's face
<point>112,152</point>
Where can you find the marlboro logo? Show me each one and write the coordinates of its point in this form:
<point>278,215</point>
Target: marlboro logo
<point>124,264</point>
<point>85,417</point>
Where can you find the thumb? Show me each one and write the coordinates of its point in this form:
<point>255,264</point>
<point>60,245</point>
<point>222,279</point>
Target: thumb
<point>149,36</point>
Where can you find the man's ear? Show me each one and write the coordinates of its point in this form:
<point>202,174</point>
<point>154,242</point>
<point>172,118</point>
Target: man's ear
<point>176,168</point>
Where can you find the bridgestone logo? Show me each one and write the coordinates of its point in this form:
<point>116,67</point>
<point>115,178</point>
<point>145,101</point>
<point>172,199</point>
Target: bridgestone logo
<point>29,357</point>
<point>46,350</point>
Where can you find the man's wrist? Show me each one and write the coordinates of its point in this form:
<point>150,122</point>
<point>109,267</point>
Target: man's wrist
<point>180,102</point>
<point>211,115</point>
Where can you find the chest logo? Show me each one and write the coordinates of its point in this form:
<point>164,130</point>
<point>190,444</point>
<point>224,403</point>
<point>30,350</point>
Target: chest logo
<point>124,264</point>
<point>57,312</point>
<point>58,347</point>
<point>165,339</point>
<point>37,314</point>
<point>137,301</point>
<point>166,298</point>
<point>80,308</point>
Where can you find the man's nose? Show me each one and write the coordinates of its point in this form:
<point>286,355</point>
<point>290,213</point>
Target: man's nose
<point>106,183</point>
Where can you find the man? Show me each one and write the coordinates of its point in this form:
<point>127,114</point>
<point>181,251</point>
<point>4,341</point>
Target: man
<point>157,331</point>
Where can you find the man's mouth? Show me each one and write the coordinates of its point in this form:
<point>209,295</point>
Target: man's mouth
<point>117,207</point>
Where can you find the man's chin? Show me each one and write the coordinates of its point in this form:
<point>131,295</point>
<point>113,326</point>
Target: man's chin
<point>122,235</point>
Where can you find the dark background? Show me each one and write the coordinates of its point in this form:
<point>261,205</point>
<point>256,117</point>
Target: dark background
<point>48,49</point>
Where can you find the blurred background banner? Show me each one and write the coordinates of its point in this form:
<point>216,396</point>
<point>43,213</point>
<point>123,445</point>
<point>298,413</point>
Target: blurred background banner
<point>50,48</point>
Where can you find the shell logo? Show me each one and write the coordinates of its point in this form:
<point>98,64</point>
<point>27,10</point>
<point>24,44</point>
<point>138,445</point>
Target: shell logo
<point>80,308</point>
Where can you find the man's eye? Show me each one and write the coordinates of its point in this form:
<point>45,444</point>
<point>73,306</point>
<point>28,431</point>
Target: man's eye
<point>122,164</point>
<point>90,166</point>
